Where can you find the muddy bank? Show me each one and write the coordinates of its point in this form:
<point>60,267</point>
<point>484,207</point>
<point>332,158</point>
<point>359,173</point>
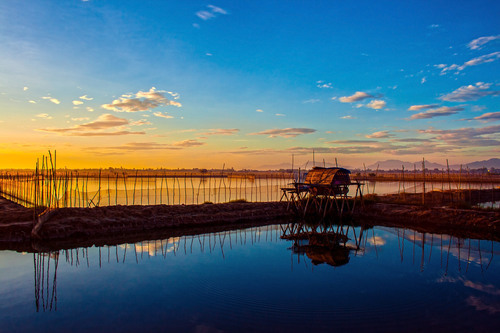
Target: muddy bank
<point>71,227</point>
<point>465,223</point>
<point>67,226</point>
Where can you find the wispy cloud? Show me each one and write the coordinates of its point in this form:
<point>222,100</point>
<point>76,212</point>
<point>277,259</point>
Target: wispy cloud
<point>467,137</point>
<point>311,101</point>
<point>188,143</point>
<point>25,88</point>
<point>163,115</point>
<point>52,99</point>
<point>478,43</point>
<point>140,122</point>
<point>76,102</point>
<point>422,107</point>
<point>379,135</point>
<point>285,132</point>
<point>259,110</point>
<point>358,96</point>
<point>437,112</point>
<point>470,93</point>
<point>347,117</point>
<point>97,127</point>
<point>487,117</point>
<point>84,97</point>
<point>138,146</point>
<point>473,62</point>
<point>210,13</point>
<point>43,116</point>
<point>143,101</point>
<point>222,131</point>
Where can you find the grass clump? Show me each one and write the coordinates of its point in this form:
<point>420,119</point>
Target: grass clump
<point>238,201</point>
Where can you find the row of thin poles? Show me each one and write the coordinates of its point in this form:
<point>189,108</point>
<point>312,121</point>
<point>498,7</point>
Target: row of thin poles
<point>456,185</point>
<point>71,189</point>
<point>46,187</point>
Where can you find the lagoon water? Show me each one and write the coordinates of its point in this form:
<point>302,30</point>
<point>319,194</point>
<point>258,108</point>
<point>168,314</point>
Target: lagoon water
<point>381,279</point>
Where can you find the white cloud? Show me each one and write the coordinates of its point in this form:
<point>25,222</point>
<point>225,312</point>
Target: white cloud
<point>347,117</point>
<point>25,88</point>
<point>438,112</point>
<point>311,101</point>
<point>53,100</point>
<point>89,109</point>
<point>205,15</point>
<point>285,132</point>
<point>211,13</point>
<point>470,93</point>
<point>322,84</point>
<point>379,135</point>
<point>477,43</point>
<point>376,104</point>
<point>358,96</point>
<point>422,107</point>
<point>433,26</point>
<point>144,101</point>
<point>481,60</point>
<point>84,97</point>
<point>222,131</point>
<point>140,122</point>
<point>188,143</point>
<point>96,128</point>
<point>32,102</point>
<point>473,62</point>
<point>43,116</point>
<point>279,115</point>
<point>424,79</point>
<point>467,137</point>
<point>77,102</point>
<point>487,117</point>
<point>259,110</point>
<point>163,115</point>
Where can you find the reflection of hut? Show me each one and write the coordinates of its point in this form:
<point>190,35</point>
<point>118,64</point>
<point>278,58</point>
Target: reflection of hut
<point>336,256</point>
<point>323,248</point>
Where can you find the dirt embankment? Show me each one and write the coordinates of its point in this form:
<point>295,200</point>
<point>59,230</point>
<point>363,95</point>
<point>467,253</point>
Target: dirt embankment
<point>65,224</point>
<point>466,223</point>
<point>68,227</point>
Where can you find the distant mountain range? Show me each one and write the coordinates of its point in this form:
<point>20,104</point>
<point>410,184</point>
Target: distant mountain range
<point>397,164</point>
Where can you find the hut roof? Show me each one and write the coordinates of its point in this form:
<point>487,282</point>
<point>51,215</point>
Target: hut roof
<point>319,175</point>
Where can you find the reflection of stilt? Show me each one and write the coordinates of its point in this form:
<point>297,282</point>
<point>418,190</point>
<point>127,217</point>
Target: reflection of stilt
<point>44,293</point>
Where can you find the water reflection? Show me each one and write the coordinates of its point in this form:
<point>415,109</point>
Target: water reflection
<point>322,242</point>
<point>315,244</point>
<point>45,280</point>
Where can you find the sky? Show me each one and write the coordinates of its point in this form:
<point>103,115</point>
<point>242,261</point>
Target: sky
<point>248,84</point>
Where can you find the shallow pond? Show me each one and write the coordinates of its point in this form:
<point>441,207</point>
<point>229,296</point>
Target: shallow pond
<point>380,279</point>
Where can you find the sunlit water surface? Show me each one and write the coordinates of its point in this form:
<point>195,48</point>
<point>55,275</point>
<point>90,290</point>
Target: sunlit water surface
<point>252,280</point>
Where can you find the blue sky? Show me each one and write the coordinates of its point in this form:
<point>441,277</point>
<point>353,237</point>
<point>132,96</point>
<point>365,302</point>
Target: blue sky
<point>248,83</point>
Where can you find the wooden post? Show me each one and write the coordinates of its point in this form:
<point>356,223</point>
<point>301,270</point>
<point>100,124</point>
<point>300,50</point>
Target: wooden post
<point>423,182</point>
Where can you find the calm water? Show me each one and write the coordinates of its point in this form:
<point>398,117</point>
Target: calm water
<point>381,279</point>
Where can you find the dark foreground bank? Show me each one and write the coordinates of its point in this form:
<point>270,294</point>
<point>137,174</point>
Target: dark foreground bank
<point>70,227</point>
